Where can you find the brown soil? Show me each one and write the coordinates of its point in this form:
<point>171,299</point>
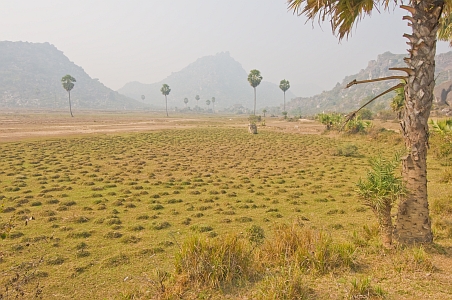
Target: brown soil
<point>15,126</point>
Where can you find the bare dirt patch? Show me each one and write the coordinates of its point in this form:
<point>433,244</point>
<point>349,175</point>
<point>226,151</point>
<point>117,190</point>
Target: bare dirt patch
<point>15,126</point>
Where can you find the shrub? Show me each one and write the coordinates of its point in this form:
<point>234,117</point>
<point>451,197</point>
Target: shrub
<point>347,150</point>
<point>332,121</point>
<point>366,114</point>
<point>356,125</point>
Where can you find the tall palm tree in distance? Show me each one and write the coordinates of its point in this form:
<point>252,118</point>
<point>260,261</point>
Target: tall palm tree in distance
<point>197,99</point>
<point>185,101</point>
<point>208,103</point>
<point>429,20</point>
<point>284,85</point>
<point>213,104</point>
<point>254,78</point>
<point>165,91</point>
<point>68,84</point>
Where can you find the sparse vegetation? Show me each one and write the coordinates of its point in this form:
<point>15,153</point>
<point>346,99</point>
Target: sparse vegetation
<point>271,216</point>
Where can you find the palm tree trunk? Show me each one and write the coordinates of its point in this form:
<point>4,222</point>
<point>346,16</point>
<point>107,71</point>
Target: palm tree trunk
<point>413,221</point>
<point>284,100</point>
<point>254,100</point>
<point>166,106</point>
<point>386,226</point>
<point>70,107</point>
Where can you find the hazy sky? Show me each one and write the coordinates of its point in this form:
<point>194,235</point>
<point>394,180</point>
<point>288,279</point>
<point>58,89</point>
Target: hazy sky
<point>119,41</point>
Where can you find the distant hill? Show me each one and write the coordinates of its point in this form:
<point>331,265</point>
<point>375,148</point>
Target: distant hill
<point>340,99</point>
<point>218,76</point>
<point>30,77</point>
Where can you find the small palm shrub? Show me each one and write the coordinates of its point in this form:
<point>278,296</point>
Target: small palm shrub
<point>380,190</point>
<point>357,125</point>
<point>441,140</point>
<point>332,121</point>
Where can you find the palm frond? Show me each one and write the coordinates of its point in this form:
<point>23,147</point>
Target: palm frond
<point>342,14</point>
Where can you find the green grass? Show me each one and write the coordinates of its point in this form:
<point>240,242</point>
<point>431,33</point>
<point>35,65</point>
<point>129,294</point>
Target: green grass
<point>111,210</point>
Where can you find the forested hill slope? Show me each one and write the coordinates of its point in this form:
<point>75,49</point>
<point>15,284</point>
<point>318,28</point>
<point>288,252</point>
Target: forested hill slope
<point>30,77</point>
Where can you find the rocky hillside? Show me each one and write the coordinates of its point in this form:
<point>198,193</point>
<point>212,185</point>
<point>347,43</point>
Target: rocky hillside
<point>218,76</point>
<point>341,99</point>
<point>30,77</point>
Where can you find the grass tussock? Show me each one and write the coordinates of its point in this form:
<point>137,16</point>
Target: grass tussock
<point>285,283</point>
<point>310,250</point>
<point>363,288</point>
<point>214,263</point>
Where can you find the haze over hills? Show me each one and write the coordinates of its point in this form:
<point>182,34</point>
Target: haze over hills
<point>218,76</point>
<point>30,77</point>
<point>340,99</point>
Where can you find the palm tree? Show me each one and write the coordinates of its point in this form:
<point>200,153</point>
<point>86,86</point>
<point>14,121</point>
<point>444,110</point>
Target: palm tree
<point>165,91</point>
<point>143,97</point>
<point>197,99</point>
<point>68,85</point>
<point>380,190</point>
<point>185,101</point>
<point>213,104</point>
<point>208,103</point>
<point>429,20</point>
<point>264,111</point>
<point>284,85</point>
<point>254,78</point>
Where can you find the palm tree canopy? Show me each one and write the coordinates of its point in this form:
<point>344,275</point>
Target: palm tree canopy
<point>213,99</point>
<point>208,102</point>
<point>197,97</point>
<point>165,89</point>
<point>343,14</point>
<point>284,85</point>
<point>68,82</point>
<point>254,78</point>
<point>185,100</point>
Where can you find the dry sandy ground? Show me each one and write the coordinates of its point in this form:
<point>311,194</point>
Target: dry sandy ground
<point>15,126</point>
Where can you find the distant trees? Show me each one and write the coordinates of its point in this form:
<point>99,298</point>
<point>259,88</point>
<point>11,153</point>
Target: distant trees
<point>165,91</point>
<point>185,101</point>
<point>213,104</point>
<point>284,85</point>
<point>143,97</point>
<point>68,84</point>
<point>264,111</point>
<point>254,78</point>
<point>208,102</point>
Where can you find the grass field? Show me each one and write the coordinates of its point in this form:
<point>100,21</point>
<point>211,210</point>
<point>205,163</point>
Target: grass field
<point>112,209</point>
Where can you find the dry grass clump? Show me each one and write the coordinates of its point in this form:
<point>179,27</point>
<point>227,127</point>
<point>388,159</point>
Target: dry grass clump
<point>214,263</point>
<point>362,288</point>
<point>309,250</point>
